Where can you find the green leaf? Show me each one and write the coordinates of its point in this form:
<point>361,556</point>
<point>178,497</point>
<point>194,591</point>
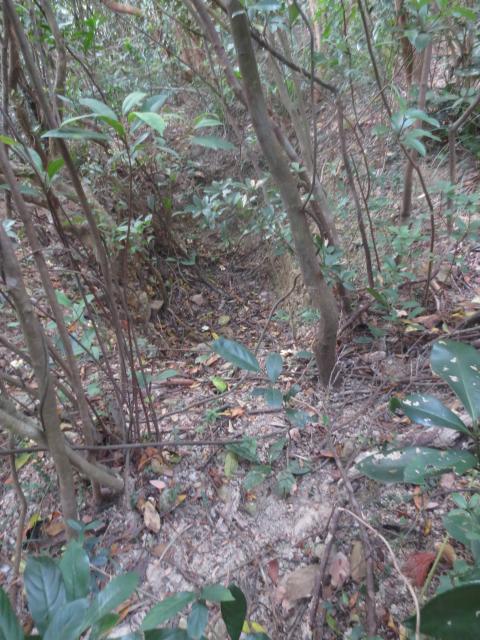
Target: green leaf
<point>98,107</point>
<point>167,609</point>
<point>197,620</point>
<point>166,634</point>
<point>54,167</point>
<point>285,483</point>
<point>452,615</point>
<point>132,100</point>
<point>216,593</point>
<point>165,375</point>
<point>273,397</point>
<point>219,383</point>
<point>298,417</point>
<point>212,142</point>
<point>75,569</point>
<point>230,466</point>
<point>74,134</point>
<point>458,523</point>
<point>236,353</point>
<point>275,450</point>
<point>274,366</point>
<point>414,143</point>
<point>414,464</point>
<point>246,449</point>
<point>206,120</point>
<point>428,411</point>
<point>111,597</point>
<point>418,114</point>
<point>10,628</point>
<point>7,140</point>
<point>463,12</point>
<point>234,613</point>
<point>459,365</point>
<point>105,624</point>
<point>153,120</point>
<point>298,469</point>
<point>67,623</point>
<point>46,592</point>
<point>256,476</point>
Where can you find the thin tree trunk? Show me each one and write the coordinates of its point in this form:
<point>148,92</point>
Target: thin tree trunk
<point>321,296</point>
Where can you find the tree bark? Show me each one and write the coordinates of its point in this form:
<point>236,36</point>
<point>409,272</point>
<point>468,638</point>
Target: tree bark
<point>321,296</point>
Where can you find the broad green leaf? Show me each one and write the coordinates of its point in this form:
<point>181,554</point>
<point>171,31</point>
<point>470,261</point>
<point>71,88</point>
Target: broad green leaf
<point>256,476</point>
<point>230,466</point>
<point>111,597</point>
<point>165,375</point>
<point>285,483</point>
<point>275,449</point>
<point>153,120</point>
<point>452,615</point>
<point>458,523</point>
<point>298,417</point>
<point>67,623</point>
<point>234,613</point>
<point>216,593</point>
<point>463,12</point>
<point>428,411</point>
<point>273,397</point>
<point>46,592</point>
<point>98,107</point>
<point>166,634</point>
<point>414,464</point>
<point>7,140</point>
<point>74,134</point>
<point>206,120</point>
<point>54,167</point>
<point>418,114</point>
<point>414,143</point>
<point>459,365</point>
<point>132,100</point>
<point>236,353</point>
<point>197,620</point>
<point>274,366</point>
<point>10,627</point>
<point>115,124</point>
<point>167,609</point>
<point>75,569</point>
<point>105,624</point>
<point>246,449</point>
<point>219,383</point>
<point>297,469</point>
<point>212,142</point>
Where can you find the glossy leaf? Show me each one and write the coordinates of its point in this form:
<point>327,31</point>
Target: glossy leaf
<point>451,615</point>
<point>428,411</point>
<point>45,589</point>
<point>236,353</point>
<point>74,134</point>
<point>54,167</point>
<point>273,397</point>
<point>459,365</point>
<point>212,142</point>
<point>154,120</point>
<point>234,613</point>
<point>219,383</point>
<point>10,628</point>
<point>414,464</point>
<point>216,593</point>
<point>167,609</point>
<point>274,366</point>
<point>206,120</point>
<point>74,566</point>
<point>197,620</point>
<point>67,623</point>
<point>112,596</point>
<point>99,108</point>
<point>166,634</point>
<point>132,100</point>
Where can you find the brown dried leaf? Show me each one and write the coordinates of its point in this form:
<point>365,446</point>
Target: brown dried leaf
<point>357,562</point>
<point>417,566</point>
<point>272,570</point>
<point>151,517</point>
<point>339,569</point>
<point>299,584</point>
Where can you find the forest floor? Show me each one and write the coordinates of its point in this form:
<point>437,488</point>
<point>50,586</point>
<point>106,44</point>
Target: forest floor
<point>188,519</point>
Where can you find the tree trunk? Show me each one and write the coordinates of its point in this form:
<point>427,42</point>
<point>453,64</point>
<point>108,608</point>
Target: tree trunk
<point>321,296</point>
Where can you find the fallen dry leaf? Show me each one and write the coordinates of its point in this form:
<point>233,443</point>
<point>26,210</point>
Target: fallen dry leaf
<point>358,565</point>
<point>272,570</point>
<point>151,517</point>
<point>54,528</point>
<point>158,484</point>
<point>417,566</point>
<point>299,583</point>
<point>448,554</point>
<point>339,569</point>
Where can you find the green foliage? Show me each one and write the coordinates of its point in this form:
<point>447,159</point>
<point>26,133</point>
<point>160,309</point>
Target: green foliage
<point>459,365</point>
<point>63,604</point>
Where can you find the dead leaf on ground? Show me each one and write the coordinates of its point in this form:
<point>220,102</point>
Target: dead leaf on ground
<point>339,570</point>
<point>417,566</point>
<point>358,564</point>
<point>151,517</point>
<point>299,584</point>
<point>272,570</point>
<point>448,555</point>
<point>54,528</point>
